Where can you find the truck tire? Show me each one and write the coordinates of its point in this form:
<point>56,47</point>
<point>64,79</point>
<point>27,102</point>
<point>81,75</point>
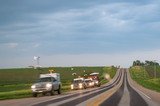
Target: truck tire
<point>43,94</point>
<point>99,84</point>
<point>59,90</point>
<point>34,94</point>
<point>52,91</point>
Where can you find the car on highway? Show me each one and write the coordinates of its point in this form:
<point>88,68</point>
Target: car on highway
<point>78,83</point>
<point>47,83</point>
<point>89,83</point>
<point>95,77</point>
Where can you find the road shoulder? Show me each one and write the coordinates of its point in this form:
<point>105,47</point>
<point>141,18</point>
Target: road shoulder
<point>155,96</point>
<point>97,100</point>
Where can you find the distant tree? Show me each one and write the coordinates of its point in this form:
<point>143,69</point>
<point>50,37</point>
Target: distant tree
<point>146,63</point>
<point>151,63</point>
<point>134,63</point>
<point>138,63</point>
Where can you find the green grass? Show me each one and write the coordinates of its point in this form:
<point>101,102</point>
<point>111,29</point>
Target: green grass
<point>16,83</point>
<point>151,70</point>
<point>141,76</point>
<point>110,70</point>
<point>29,75</point>
<point>14,87</point>
<point>15,94</point>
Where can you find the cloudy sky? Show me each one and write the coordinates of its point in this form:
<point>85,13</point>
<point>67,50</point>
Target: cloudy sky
<point>78,32</point>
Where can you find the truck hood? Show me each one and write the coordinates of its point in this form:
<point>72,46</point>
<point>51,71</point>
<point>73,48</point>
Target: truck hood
<point>41,84</point>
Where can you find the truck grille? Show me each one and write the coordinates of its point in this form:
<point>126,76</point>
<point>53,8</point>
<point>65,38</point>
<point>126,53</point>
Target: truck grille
<point>41,86</point>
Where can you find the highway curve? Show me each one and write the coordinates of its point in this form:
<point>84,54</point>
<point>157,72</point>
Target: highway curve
<point>79,97</point>
<point>118,92</point>
<point>125,96</point>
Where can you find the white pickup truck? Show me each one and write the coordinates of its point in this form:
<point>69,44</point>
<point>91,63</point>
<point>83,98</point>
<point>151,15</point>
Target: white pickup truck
<point>47,83</point>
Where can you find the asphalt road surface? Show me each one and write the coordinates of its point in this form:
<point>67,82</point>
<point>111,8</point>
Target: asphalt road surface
<point>118,92</point>
<point>79,97</point>
<point>125,96</point>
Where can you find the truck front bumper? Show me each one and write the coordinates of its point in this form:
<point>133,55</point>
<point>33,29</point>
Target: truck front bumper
<point>41,90</point>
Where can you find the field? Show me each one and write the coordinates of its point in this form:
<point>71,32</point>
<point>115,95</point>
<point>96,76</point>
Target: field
<point>15,83</point>
<point>145,77</point>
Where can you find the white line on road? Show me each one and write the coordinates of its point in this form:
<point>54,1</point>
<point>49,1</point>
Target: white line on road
<point>73,98</point>
<point>141,92</point>
<point>136,88</point>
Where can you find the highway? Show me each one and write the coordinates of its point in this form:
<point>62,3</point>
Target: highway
<point>125,96</point>
<point>80,96</point>
<point>118,92</point>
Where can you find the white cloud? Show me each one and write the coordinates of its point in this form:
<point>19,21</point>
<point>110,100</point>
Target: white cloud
<point>11,45</point>
<point>113,17</point>
<point>103,28</point>
<point>36,45</point>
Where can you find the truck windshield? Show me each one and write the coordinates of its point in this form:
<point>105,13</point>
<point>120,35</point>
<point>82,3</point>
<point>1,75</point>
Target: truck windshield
<point>46,79</point>
<point>87,81</point>
<point>94,77</point>
<point>77,81</point>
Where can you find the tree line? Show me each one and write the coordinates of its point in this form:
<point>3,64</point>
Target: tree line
<point>146,63</point>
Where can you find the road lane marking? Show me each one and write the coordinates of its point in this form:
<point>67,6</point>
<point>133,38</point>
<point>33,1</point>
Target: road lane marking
<point>141,92</point>
<point>125,100</point>
<point>129,78</point>
<point>72,93</point>
<point>73,98</point>
<point>102,97</point>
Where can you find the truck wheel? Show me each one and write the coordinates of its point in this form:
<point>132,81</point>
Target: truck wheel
<point>59,90</point>
<point>34,94</point>
<point>43,94</point>
<point>52,91</point>
<point>99,85</point>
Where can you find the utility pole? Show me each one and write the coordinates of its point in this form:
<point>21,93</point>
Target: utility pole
<point>155,69</point>
<point>144,70</point>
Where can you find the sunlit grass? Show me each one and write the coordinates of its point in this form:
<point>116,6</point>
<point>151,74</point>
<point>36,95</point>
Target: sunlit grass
<point>15,94</point>
<point>141,76</point>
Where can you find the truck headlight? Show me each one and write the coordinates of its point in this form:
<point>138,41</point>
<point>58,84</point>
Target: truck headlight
<point>33,86</point>
<point>96,82</point>
<point>90,83</point>
<point>80,85</point>
<point>48,85</point>
<point>71,86</point>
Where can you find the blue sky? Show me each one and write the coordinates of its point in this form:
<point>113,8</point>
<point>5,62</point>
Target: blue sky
<point>75,33</point>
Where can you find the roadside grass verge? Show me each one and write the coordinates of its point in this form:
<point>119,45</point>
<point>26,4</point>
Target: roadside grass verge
<point>14,87</point>
<point>15,94</point>
<point>111,71</point>
<point>16,83</point>
<point>141,76</point>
